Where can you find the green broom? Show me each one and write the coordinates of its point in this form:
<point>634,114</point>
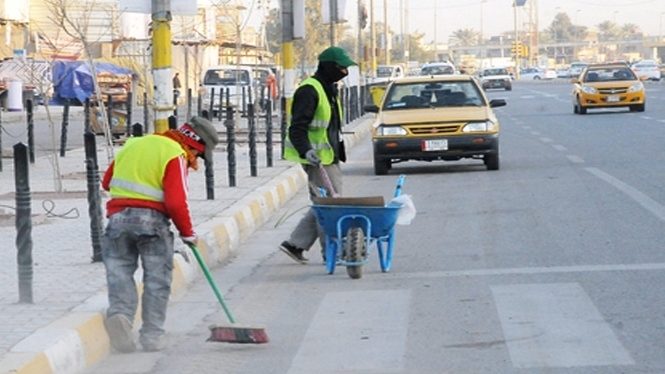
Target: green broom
<point>228,334</point>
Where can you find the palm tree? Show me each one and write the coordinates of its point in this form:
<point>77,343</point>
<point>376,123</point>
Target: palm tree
<point>465,37</point>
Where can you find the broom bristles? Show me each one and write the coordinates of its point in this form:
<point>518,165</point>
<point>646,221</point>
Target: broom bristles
<point>242,335</point>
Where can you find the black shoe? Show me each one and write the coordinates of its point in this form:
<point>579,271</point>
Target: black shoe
<point>294,252</point>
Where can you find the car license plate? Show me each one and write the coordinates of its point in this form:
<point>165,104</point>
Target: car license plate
<point>435,145</point>
<point>613,99</point>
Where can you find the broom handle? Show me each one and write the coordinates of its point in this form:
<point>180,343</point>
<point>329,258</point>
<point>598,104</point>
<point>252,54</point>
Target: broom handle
<point>211,281</point>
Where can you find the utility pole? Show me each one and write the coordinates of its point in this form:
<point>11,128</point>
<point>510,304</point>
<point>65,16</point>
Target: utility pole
<point>161,63</point>
<point>333,19</point>
<point>385,31</point>
<point>288,60</point>
<point>373,37</point>
<point>517,57</point>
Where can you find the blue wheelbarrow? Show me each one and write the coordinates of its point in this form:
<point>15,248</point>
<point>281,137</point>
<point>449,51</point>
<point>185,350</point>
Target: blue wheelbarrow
<point>352,225</point>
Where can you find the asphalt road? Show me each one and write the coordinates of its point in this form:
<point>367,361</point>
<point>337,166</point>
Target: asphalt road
<point>553,264</point>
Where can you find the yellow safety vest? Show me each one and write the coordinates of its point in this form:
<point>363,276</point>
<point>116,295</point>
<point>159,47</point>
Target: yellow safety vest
<point>317,132</point>
<point>139,167</point>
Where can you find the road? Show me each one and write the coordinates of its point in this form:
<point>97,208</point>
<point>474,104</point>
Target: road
<point>553,264</point>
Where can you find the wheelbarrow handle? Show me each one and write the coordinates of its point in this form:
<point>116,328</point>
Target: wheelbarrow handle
<point>400,182</point>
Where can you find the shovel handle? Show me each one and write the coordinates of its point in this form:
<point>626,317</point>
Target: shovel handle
<point>326,181</point>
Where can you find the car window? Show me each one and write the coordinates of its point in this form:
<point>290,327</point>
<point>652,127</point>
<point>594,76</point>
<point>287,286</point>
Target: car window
<point>437,70</point>
<point>384,71</point>
<point>226,77</point>
<point>495,72</point>
<point>433,94</point>
<point>608,74</point>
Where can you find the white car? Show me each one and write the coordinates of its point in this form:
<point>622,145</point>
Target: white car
<point>437,68</point>
<point>537,74</point>
<point>576,68</point>
<point>647,69</point>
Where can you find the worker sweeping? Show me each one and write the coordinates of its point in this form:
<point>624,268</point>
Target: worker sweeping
<point>148,186</point>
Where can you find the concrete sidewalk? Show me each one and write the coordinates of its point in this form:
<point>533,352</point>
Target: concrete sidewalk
<point>62,330</point>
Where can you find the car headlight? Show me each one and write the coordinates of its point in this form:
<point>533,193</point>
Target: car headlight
<point>390,130</point>
<point>589,90</point>
<point>485,126</point>
<point>636,87</point>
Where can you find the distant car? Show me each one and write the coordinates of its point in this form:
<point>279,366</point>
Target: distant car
<point>430,118</point>
<point>437,68</point>
<point>563,73</point>
<point>647,69</point>
<point>608,86</point>
<point>495,78</point>
<point>576,68</point>
<point>386,73</point>
<point>537,74</point>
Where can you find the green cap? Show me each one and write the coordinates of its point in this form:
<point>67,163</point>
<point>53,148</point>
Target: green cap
<point>336,55</point>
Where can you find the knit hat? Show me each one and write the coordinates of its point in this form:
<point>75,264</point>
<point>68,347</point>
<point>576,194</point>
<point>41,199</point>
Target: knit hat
<point>202,135</point>
<point>337,55</point>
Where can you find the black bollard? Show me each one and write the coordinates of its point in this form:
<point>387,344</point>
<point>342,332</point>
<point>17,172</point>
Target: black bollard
<point>175,103</point>
<point>199,105</point>
<point>230,141</point>
<point>173,122</point>
<point>129,105</point>
<point>145,112</point>
<point>23,223</point>
<point>269,132</point>
<point>31,133</point>
<point>137,129</point>
<point>243,102</point>
<point>252,140</point>
<point>63,129</point>
<point>282,125</point>
<point>189,104</point>
<point>94,200</point>
<point>210,179</point>
<point>220,113</point>
<point>211,112</point>
<point>86,116</point>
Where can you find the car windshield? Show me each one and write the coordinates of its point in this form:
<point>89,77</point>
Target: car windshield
<point>495,72</point>
<point>437,70</point>
<point>226,77</point>
<point>433,94</point>
<point>609,74</point>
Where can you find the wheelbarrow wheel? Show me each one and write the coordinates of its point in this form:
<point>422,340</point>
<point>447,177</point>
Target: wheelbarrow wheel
<point>354,250</point>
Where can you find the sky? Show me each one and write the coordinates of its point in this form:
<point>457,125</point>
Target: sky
<point>497,15</point>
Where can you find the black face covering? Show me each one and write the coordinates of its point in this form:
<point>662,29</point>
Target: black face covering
<point>331,71</point>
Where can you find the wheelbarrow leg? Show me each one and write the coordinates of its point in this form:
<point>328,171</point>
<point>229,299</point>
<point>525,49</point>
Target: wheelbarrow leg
<point>331,254</point>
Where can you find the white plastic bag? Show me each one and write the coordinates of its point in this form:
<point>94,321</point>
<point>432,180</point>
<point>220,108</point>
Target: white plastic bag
<point>407,211</point>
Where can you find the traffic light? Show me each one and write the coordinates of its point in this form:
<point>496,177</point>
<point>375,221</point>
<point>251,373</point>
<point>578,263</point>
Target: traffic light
<point>516,48</point>
<point>524,50</point>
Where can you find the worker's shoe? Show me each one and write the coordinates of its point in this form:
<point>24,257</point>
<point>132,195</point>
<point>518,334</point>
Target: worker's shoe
<point>294,252</point>
<point>119,328</point>
<point>153,345</point>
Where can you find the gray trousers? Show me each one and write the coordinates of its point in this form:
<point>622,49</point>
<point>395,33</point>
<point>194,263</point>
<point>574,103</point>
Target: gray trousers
<point>132,234</point>
<point>307,230</point>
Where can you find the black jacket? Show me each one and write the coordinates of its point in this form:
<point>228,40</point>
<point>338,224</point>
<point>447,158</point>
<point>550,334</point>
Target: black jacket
<point>305,101</point>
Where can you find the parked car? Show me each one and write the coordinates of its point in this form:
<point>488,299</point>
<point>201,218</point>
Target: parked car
<point>608,86</point>
<point>237,79</point>
<point>647,69</point>
<point>496,78</point>
<point>563,73</point>
<point>537,74</point>
<point>445,117</point>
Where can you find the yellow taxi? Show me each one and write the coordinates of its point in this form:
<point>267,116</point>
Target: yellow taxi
<point>436,117</point>
<point>608,86</point>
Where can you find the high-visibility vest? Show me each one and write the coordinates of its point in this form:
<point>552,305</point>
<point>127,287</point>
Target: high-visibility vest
<point>139,167</point>
<point>317,132</point>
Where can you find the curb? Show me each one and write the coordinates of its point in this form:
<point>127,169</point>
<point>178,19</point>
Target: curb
<point>78,340</point>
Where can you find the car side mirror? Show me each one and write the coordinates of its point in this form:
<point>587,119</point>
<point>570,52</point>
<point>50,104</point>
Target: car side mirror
<point>575,80</point>
<point>497,102</point>
<point>371,108</point>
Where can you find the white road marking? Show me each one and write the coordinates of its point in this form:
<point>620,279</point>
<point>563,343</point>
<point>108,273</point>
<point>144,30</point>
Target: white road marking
<point>645,117</point>
<point>559,147</point>
<point>656,266</point>
<point>661,120</point>
<point>535,133</point>
<point>545,140</point>
<point>526,127</point>
<point>555,325</point>
<point>648,203</point>
<point>575,159</point>
<point>369,330</point>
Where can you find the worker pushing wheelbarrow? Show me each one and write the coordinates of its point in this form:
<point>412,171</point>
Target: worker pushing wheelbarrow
<point>352,225</point>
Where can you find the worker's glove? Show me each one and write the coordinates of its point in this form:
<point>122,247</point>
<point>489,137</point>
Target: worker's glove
<point>312,157</point>
<point>189,240</point>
